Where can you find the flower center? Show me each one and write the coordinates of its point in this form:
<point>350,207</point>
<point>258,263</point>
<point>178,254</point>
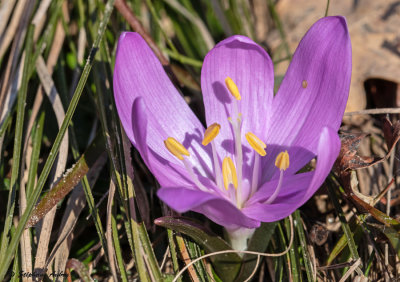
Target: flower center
<point>232,171</point>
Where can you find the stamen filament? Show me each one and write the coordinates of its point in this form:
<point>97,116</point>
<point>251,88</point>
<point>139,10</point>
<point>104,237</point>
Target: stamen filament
<point>236,124</point>
<point>238,154</point>
<point>258,146</point>
<point>281,162</point>
<point>217,168</point>
<point>179,151</point>
<point>209,135</point>
<point>239,162</point>
<point>256,174</point>
<point>278,188</point>
<point>189,168</point>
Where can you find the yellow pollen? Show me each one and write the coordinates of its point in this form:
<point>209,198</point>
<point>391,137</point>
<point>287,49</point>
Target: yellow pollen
<point>256,143</point>
<point>304,83</point>
<point>232,87</point>
<point>282,160</point>
<point>176,148</point>
<point>229,173</point>
<point>211,132</point>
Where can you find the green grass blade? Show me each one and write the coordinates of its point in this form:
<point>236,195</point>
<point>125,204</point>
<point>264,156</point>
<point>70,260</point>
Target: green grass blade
<point>56,145</point>
<point>36,144</point>
<point>19,127</point>
<point>117,246</point>
<point>303,245</point>
<point>345,226</point>
<point>293,255</point>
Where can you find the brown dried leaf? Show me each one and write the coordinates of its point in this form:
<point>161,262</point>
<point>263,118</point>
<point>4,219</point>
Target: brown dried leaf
<point>391,133</point>
<point>373,27</point>
<point>348,158</point>
<point>364,207</point>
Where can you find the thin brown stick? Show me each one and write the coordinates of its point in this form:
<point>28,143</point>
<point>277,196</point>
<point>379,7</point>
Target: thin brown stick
<point>17,35</point>
<point>351,270</point>
<point>110,245</point>
<point>130,17</point>
<point>374,112</point>
<point>135,24</point>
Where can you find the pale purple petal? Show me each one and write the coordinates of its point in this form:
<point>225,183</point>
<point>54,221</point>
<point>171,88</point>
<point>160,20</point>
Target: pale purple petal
<point>295,196</point>
<point>139,73</point>
<point>322,63</point>
<point>323,59</point>
<point>166,172</point>
<point>251,69</point>
<point>297,182</point>
<point>216,208</point>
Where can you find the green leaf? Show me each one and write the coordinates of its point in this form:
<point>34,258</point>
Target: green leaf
<point>226,265</point>
<point>342,243</point>
<point>392,234</point>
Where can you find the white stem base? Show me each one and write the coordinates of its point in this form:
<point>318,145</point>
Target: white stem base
<point>239,238</point>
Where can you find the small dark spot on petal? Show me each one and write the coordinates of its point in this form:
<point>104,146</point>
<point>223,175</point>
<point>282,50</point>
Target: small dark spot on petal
<point>304,84</point>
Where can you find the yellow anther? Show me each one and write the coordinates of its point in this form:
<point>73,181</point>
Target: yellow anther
<point>211,132</point>
<point>229,173</point>
<point>256,143</point>
<point>232,87</point>
<point>282,160</point>
<point>176,148</point>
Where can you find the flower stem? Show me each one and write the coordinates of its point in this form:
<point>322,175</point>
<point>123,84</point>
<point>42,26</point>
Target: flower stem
<point>239,238</point>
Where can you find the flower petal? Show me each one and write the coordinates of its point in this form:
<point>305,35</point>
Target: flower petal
<point>293,196</point>
<point>216,208</point>
<point>315,89</point>
<point>139,73</point>
<point>250,67</point>
<point>297,183</point>
<point>166,172</point>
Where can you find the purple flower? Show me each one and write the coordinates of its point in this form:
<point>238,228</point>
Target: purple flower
<point>243,169</point>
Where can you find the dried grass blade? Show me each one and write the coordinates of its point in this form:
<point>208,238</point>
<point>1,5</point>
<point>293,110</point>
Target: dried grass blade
<point>5,12</point>
<point>109,237</point>
<point>56,103</point>
<point>17,148</point>
<point>56,145</point>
